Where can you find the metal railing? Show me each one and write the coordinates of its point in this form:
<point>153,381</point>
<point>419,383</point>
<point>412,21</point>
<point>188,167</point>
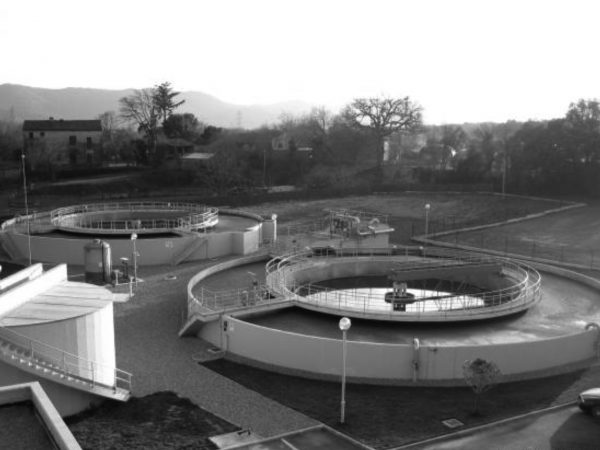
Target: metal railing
<point>67,363</point>
<point>207,301</point>
<point>525,290</point>
<point>81,217</point>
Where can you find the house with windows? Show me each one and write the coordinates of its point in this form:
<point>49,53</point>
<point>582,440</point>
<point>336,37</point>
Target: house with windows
<point>57,143</point>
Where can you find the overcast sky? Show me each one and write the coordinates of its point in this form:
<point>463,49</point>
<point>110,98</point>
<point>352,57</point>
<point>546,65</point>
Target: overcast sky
<point>461,60</point>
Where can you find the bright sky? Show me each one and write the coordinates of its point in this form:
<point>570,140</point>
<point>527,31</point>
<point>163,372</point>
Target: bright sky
<point>461,60</point>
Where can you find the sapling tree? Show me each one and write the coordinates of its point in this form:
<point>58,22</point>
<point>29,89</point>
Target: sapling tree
<point>481,375</point>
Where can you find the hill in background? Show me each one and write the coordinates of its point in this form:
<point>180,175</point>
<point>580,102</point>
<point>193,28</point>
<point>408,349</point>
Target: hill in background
<point>25,102</point>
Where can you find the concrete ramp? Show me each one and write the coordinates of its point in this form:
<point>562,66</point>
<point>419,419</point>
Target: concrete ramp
<point>195,323</point>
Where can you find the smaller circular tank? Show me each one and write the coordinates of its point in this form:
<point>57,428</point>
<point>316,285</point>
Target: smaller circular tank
<point>97,262</point>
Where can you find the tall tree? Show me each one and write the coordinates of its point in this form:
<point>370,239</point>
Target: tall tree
<point>185,126</point>
<point>583,127</point>
<point>383,117</point>
<point>164,99</point>
<point>140,108</point>
<point>108,120</point>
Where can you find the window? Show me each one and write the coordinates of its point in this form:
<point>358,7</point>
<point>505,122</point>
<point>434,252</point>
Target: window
<point>42,134</point>
<point>88,142</point>
<point>31,135</point>
<point>72,140</point>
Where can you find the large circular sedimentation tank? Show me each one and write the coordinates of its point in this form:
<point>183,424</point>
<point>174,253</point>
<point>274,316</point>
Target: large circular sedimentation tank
<point>164,232</point>
<point>532,323</point>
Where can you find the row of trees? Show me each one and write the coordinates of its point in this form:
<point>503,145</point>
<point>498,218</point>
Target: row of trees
<point>380,133</point>
<point>382,138</point>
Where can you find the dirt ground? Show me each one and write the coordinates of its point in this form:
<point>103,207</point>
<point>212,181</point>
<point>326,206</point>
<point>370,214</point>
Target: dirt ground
<point>158,421</point>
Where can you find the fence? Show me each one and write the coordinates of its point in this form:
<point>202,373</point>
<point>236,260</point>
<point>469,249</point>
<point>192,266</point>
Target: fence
<point>207,301</point>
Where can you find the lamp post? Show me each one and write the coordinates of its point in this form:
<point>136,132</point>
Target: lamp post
<point>26,204</point>
<point>427,208</point>
<point>264,166</point>
<point>344,324</point>
<point>133,239</point>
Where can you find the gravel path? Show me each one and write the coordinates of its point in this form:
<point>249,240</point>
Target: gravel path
<point>148,346</point>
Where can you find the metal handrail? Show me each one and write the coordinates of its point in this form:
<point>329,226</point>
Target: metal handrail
<point>66,362</point>
<point>526,291</point>
<point>227,299</point>
<point>77,217</point>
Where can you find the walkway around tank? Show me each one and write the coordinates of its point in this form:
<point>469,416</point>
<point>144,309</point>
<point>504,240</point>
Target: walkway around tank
<point>148,345</point>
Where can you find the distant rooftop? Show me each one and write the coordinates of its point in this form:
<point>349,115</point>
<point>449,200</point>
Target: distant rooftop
<point>62,125</point>
<point>198,156</point>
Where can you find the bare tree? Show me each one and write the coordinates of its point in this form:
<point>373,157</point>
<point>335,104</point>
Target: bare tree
<point>481,375</point>
<point>383,117</point>
<point>108,120</point>
<point>140,108</point>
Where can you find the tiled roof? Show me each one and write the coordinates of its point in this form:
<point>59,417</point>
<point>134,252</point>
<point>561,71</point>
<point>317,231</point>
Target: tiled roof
<point>62,125</point>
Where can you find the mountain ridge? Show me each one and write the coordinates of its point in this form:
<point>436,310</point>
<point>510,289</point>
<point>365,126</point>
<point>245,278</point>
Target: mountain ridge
<point>21,102</point>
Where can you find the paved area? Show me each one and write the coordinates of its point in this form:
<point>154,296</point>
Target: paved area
<point>147,345</point>
<point>564,428</point>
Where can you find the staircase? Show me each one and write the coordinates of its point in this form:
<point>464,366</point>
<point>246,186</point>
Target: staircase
<point>61,367</point>
<point>198,242</point>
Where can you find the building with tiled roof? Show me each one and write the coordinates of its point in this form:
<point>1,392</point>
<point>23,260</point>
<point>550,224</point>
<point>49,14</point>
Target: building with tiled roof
<point>56,143</point>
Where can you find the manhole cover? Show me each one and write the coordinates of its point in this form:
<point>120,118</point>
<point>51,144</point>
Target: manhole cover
<point>452,423</point>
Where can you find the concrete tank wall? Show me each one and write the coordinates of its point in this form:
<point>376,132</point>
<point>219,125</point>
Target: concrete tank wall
<point>393,363</point>
<point>153,251</point>
<point>91,337</point>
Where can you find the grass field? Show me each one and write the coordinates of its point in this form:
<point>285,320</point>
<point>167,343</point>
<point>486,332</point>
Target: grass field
<point>572,237</point>
<point>406,212</point>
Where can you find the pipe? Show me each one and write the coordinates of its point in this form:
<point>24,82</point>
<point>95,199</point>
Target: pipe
<point>415,361</point>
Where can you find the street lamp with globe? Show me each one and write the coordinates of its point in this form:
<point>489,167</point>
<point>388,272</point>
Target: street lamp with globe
<point>344,325</point>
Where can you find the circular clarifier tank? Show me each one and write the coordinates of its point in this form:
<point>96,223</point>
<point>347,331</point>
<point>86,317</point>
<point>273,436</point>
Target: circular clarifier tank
<point>555,333</point>
<point>566,307</point>
<point>157,232</point>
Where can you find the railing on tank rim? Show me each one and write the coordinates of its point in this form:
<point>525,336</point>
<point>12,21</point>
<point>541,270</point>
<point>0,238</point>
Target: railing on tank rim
<point>220,301</point>
<point>526,291</point>
<point>198,216</point>
<point>66,363</point>
<point>34,218</point>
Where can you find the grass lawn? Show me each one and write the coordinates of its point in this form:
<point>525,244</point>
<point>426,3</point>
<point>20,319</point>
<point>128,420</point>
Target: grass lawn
<point>389,416</point>
<point>406,210</point>
<point>572,236</point>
